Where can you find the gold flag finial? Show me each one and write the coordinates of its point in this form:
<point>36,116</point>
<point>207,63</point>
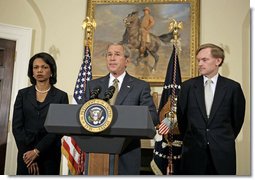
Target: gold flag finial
<point>89,24</point>
<point>175,27</point>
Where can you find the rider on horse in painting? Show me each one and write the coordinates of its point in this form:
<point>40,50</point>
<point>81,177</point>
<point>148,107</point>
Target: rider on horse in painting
<point>147,22</point>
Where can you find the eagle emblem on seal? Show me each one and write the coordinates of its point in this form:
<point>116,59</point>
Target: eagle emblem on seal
<point>95,115</point>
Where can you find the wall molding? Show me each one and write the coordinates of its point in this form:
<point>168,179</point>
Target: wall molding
<point>23,38</point>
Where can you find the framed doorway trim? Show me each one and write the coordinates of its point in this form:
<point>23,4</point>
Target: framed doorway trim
<point>23,38</point>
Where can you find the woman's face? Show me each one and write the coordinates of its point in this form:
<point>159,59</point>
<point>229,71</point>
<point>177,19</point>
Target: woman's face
<point>41,70</point>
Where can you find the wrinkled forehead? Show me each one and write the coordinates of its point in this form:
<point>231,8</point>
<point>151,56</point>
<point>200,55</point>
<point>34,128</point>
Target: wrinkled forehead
<point>204,53</point>
<point>115,48</point>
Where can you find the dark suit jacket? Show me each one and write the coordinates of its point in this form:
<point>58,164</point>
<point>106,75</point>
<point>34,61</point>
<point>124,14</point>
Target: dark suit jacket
<point>133,92</point>
<point>29,132</point>
<point>218,132</point>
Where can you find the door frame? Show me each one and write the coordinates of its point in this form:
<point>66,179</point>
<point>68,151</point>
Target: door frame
<point>23,38</point>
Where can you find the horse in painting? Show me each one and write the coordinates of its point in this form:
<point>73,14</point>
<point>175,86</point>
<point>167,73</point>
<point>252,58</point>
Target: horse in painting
<point>132,37</point>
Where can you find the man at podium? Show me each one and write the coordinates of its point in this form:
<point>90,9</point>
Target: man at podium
<point>128,91</point>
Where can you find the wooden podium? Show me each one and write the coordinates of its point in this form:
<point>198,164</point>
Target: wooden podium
<point>104,147</point>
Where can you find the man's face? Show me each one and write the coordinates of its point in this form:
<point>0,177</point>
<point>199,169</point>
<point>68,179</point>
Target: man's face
<point>207,65</point>
<point>146,11</point>
<point>116,61</point>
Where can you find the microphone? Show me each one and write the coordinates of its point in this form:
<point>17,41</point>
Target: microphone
<point>95,92</point>
<point>109,93</point>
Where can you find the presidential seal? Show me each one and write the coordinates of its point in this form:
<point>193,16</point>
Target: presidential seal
<point>96,115</point>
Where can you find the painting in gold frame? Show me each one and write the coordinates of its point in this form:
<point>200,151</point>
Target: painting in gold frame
<point>110,15</point>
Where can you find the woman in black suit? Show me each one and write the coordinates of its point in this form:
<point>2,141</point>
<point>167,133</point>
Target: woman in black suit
<point>39,152</point>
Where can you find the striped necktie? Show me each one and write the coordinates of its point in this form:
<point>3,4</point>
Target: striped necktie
<point>115,84</point>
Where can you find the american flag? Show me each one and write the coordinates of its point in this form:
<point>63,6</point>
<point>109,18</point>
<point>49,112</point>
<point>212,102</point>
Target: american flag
<point>74,155</point>
<point>164,126</point>
<point>70,148</point>
<point>84,76</point>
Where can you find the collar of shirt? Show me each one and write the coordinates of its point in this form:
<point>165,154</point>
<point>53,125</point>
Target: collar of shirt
<point>120,78</point>
<point>214,81</point>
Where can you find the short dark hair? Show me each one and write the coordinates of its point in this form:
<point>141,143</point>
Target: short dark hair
<point>126,50</point>
<point>48,59</point>
<point>216,51</point>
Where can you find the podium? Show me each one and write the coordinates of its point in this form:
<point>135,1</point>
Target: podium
<point>103,147</point>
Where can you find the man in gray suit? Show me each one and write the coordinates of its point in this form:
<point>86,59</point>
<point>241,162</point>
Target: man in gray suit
<point>131,91</point>
<point>210,129</point>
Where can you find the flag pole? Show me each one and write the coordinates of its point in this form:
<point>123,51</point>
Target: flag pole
<point>174,27</point>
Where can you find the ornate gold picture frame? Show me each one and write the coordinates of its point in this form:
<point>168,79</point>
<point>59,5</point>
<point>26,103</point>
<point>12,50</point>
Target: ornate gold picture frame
<point>111,23</point>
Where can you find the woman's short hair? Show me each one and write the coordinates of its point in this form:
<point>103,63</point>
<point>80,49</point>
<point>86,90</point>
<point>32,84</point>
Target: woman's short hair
<point>48,59</point>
